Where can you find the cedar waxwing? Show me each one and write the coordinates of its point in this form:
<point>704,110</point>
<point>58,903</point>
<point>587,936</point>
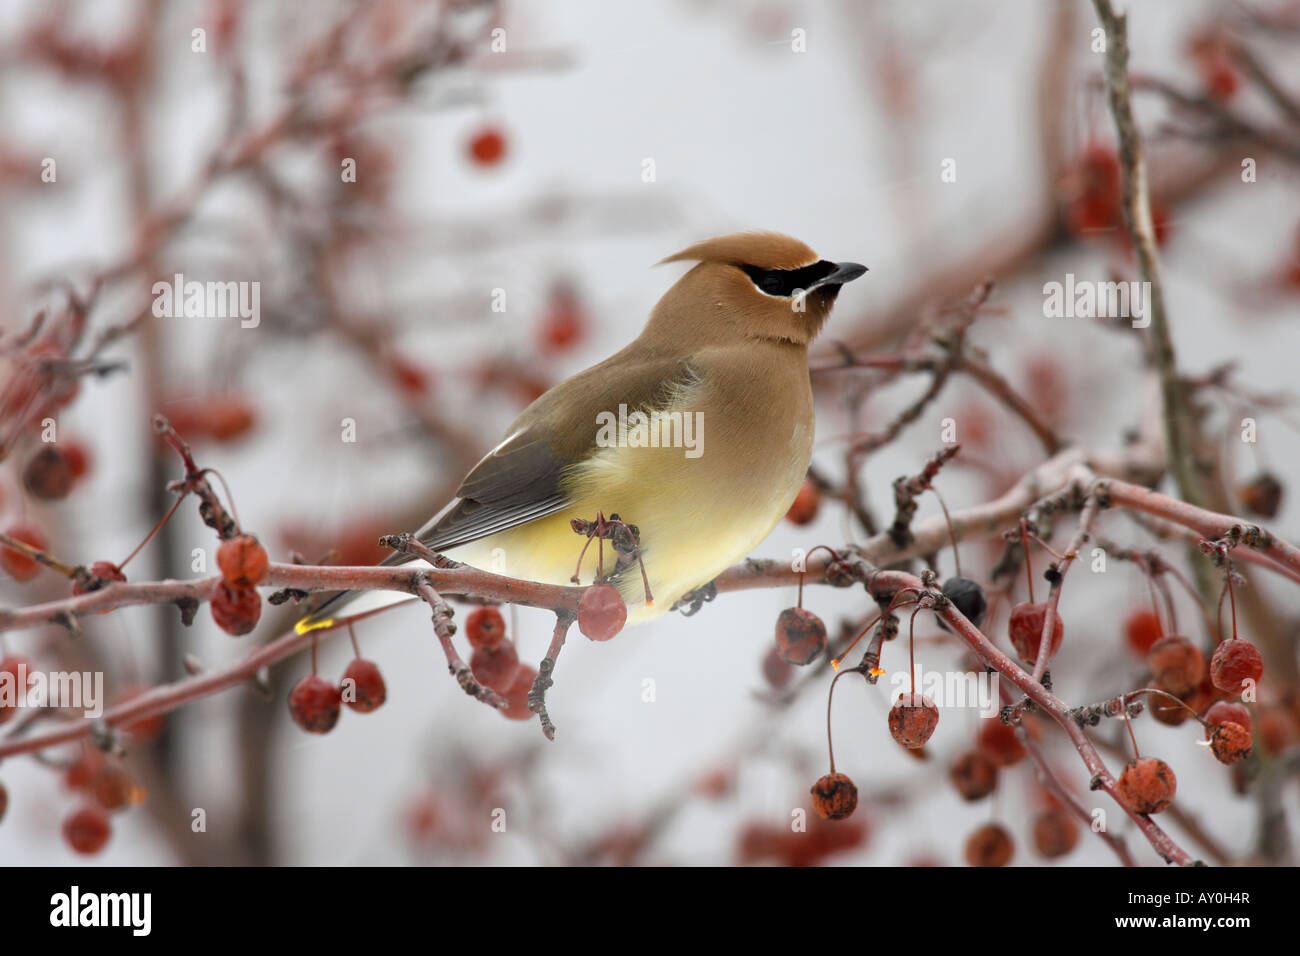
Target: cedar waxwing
<point>699,433</point>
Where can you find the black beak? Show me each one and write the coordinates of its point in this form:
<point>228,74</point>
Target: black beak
<point>844,272</point>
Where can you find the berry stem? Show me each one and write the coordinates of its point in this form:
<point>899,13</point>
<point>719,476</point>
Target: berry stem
<point>156,528</point>
<point>1232,595</point>
<point>952,534</point>
<point>313,654</point>
<point>830,696</point>
<point>1029,565</point>
<point>1131,736</point>
<point>352,634</point>
<point>234,512</point>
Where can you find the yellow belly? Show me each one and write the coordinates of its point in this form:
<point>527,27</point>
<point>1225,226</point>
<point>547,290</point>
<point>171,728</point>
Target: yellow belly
<point>696,518</point>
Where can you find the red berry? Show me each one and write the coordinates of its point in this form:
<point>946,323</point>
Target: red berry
<point>912,720</point>
<point>487,146</point>
<point>998,741</point>
<point>806,504</point>
<point>1177,665</point>
<point>1235,662</point>
<point>236,610</point>
<point>517,695</point>
<point>112,787</point>
<point>1223,711</point>
<point>601,612</point>
<point>1230,742</point>
<point>563,325</point>
<point>1142,629</point>
<point>367,690</point>
<point>1147,785</point>
<point>19,565</point>
<point>242,561</point>
<point>48,475</point>
<point>496,667</point>
<point>990,845</point>
<point>1262,495</point>
<point>229,417</point>
<point>87,829</point>
<point>974,775</point>
<point>81,773</point>
<point>834,796</point>
<point>12,669</point>
<point>800,636</point>
<point>1055,833</point>
<point>314,704</point>
<point>1277,729</point>
<point>1026,630</point>
<point>408,376</point>
<point>777,669</point>
<point>78,457</point>
<point>485,627</point>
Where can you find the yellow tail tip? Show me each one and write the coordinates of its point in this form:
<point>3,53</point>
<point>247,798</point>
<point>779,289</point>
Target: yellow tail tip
<point>307,624</point>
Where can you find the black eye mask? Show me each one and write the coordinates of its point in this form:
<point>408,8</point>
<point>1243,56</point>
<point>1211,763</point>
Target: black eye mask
<point>784,282</point>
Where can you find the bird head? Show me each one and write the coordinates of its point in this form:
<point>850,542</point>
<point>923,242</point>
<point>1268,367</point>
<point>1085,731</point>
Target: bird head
<point>760,285</point>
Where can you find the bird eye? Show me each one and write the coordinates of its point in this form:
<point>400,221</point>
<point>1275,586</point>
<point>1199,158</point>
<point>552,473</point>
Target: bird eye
<point>785,282</point>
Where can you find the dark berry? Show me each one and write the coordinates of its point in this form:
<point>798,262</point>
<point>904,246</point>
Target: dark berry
<point>800,636</point>
<point>48,474</point>
<point>969,599</point>
<point>834,796</point>
<point>974,775</point>
<point>1262,495</point>
<point>990,845</point>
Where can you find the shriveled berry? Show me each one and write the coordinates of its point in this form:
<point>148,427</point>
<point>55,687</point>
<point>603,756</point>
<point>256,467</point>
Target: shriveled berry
<point>1223,711</point>
<point>990,845</point>
<point>969,598</point>
<point>485,627</point>
<point>806,504</point>
<point>104,572</point>
<point>362,687</point>
<point>517,696</point>
<point>1177,665</point>
<point>1234,662</point>
<point>13,670</point>
<point>1262,495</point>
<point>19,565</point>
<point>496,667</point>
<point>999,743</point>
<point>1142,628</point>
<point>1055,833</point>
<point>48,474</point>
<point>601,612</point>
<point>236,610</point>
<point>834,796</point>
<point>87,829</point>
<point>974,775</point>
<point>777,669</point>
<point>1147,785</point>
<point>1230,742</point>
<point>314,704</point>
<point>242,561</point>
<point>800,636</point>
<point>1026,630</point>
<point>912,720</point>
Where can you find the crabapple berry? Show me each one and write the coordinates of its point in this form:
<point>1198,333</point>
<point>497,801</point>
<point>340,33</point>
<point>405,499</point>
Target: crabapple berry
<point>367,691</point>
<point>487,147</point>
<point>969,598</point>
<point>1230,742</point>
<point>1026,630</point>
<point>777,669</point>
<point>999,743</point>
<point>834,796</point>
<point>1223,711</point>
<point>103,571</point>
<point>48,474</point>
<point>1177,665</point>
<point>20,566</point>
<point>806,504</point>
<point>912,720</point>
<point>990,845</point>
<point>1142,629</point>
<point>87,829</point>
<point>485,627</point>
<point>242,561</point>
<point>495,667</point>
<point>1233,663</point>
<point>974,775</point>
<point>236,610</point>
<point>1262,495</point>
<point>1147,785</point>
<point>601,612</point>
<point>517,696</point>
<point>314,704</point>
<point>11,666</point>
<point>1055,832</point>
<point>800,636</point>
